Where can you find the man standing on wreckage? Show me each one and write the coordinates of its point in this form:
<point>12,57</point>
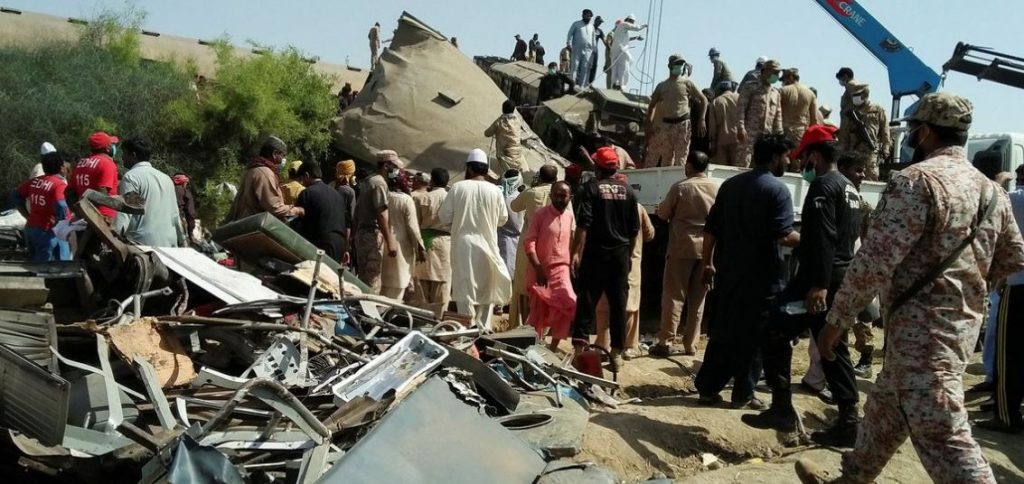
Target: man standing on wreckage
<point>474,209</point>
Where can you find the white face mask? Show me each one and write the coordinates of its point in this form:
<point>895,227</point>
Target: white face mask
<point>857,100</point>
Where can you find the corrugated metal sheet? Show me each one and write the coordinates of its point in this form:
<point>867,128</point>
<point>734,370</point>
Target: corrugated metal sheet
<point>33,401</point>
<point>31,334</point>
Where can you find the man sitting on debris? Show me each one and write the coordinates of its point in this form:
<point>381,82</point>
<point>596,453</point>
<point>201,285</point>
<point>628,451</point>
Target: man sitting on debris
<point>160,226</point>
<point>323,222</point>
<point>506,132</point>
<point>547,245</point>
<point>475,208</point>
<point>45,207</point>
<point>260,190</point>
<point>372,225</point>
<point>554,84</point>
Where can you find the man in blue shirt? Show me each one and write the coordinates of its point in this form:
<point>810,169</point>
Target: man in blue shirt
<point>160,226</point>
<point>751,220</point>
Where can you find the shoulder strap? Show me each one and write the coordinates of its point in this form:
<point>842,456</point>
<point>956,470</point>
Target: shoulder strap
<point>984,212</point>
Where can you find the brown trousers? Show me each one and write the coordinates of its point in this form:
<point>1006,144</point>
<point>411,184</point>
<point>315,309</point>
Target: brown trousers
<point>682,285</point>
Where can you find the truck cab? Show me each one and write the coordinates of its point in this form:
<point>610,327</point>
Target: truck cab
<point>1009,147</point>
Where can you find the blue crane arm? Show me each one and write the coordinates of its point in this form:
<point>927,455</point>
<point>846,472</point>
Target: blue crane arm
<point>907,73</point>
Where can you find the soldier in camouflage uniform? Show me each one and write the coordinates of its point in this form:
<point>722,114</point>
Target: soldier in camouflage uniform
<point>927,213</point>
<point>669,117</point>
<point>759,110</point>
<point>864,128</point>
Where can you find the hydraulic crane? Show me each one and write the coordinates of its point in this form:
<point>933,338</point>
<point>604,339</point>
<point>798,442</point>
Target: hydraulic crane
<point>908,74</point>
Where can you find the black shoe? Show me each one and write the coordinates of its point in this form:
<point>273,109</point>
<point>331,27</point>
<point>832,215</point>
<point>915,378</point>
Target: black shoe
<point>840,434</point>
<point>775,418</point>
<point>710,400</point>
<point>659,350</point>
<point>753,403</point>
<point>997,425</point>
<point>985,386</point>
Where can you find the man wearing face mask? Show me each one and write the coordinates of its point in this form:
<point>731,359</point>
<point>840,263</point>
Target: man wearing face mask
<point>864,129</point>
<point>373,225</point>
<point>759,110</point>
<point>746,228</point>
<point>844,76</point>
<point>941,237</point>
<point>829,226</point>
<point>581,40</point>
<point>260,190</point>
<point>554,84</point>
<point>751,77</point>
<point>668,117</point>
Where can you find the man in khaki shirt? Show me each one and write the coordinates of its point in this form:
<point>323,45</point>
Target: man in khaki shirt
<point>668,117</point>
<point>864,129</point>
<point>434,272</point>
<point>759,109</point>
<point>723,124</point>
<point>685,208</point>
<point>799,106</point>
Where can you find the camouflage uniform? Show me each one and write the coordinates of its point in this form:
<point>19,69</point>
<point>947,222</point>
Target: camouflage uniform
<point>760,112</point>
<point>875,123</point>
<point>926,212</point>
<point>669,142</point>
<point>370,254</point>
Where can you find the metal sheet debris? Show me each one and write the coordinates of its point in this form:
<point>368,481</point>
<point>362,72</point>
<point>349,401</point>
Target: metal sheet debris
<point>230,286</point>
<point>32,400</point>
<point>394,370</point>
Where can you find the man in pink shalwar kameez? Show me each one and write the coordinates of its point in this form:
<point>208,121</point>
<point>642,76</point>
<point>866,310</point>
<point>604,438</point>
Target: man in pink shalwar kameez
<point>547,245</point>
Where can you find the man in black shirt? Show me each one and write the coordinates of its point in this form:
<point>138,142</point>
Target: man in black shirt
<point>830,226</point>
<point>554,84</point>
<point>324,223</point>
<point>751,220</point>
<point>519,53</point>
<point>607,220</point>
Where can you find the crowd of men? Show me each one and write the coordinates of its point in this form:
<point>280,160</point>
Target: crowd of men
<point>169,218</point>
<point>564,255</point>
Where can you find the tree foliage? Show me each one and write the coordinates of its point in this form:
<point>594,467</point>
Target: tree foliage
<point>63,91</point>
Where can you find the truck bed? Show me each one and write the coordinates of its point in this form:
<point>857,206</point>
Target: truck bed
<point>651,184</point>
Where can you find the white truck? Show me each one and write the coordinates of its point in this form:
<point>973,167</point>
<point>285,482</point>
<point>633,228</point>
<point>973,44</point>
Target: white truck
<point>652,184</point>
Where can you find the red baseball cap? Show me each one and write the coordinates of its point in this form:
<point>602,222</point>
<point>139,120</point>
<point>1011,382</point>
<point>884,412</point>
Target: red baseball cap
<point>102,141</point>
<point>815,134</point>
<point>606,158</point>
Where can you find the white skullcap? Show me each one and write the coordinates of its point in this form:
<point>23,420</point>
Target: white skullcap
<point>477,156</point>
<point>631,17</point>
<point>762,59</point>
<point>47,148</point>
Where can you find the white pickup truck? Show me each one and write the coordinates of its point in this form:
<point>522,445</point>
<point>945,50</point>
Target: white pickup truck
<point>652,184</point>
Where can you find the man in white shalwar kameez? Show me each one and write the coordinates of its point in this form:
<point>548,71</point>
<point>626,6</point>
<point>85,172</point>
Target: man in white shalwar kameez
<point>622,56</point>
<point>475,208</point>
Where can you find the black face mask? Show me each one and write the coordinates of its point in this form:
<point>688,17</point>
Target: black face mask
<point>586,21</point>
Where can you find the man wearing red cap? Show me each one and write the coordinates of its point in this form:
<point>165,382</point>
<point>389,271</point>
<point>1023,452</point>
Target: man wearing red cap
<point>830,226</point>
<point>98,171</point>
<point>607,222</point>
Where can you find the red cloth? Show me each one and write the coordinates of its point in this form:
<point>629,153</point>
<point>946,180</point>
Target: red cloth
<point>606,158</point>
<point>42,194</point>
<point>817,133</point>
<point>573,173</point>
<point>179,179</point>
<point>554,305</point>
<point>102,141</point>
<point>96,172</point>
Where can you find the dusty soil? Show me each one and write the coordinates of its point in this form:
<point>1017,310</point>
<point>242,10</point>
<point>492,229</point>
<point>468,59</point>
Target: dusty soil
<point>666,432</point>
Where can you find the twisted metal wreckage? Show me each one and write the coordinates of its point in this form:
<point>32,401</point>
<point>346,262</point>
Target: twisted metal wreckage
<point>195,372</point>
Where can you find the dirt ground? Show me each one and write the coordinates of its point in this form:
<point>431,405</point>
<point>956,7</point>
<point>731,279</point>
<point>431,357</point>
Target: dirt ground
<point>666,432</point>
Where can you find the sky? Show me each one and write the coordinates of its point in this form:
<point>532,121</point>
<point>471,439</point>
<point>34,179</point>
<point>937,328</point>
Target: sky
<point>796,32</point>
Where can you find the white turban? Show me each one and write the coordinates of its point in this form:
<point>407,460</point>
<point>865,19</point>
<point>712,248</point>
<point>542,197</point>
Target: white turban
<point>477,156</point>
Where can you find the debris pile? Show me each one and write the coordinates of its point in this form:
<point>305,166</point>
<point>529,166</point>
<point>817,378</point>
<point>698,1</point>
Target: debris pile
<point>196,372</point>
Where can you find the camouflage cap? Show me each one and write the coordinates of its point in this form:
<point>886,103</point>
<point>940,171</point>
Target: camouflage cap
<point>771,65</point>
<point>943,109</point>
<point>856,87</point>
<point>791,71</point>
<point>676,59</point>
